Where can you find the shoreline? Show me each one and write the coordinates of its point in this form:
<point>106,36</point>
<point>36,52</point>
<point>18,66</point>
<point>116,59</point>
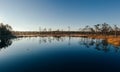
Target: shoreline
<point>109,38</point>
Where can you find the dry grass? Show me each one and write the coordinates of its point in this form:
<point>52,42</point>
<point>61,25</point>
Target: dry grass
<point>115,41</point>
<point>110,39</point>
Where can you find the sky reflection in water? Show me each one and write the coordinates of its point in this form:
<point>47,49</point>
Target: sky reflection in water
<point>58,54</point>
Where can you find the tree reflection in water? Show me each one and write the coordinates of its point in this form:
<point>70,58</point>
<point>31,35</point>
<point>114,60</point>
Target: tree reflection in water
<point>50,39</point>
<point>5,42</point>
<point>98,44</point>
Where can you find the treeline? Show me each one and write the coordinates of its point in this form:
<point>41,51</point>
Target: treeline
<point>104,29</point>
<point>98,29</point>
<point>46,33</point>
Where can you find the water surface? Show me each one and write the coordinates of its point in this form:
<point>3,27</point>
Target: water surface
<point>58,54</point>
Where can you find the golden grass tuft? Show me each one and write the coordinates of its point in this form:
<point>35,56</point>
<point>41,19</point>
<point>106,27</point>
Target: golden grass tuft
<point>110,39</point>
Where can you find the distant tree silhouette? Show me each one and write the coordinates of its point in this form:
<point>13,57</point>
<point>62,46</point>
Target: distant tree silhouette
<point>116,29</point>
<point>97,29</point>
<point>5,29</point>
<point>50,29</point>
<point>68,28</point>
<point>44,29</point>
<point>103,29</point>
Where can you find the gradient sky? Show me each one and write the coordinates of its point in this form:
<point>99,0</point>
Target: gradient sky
<point>31,14</point>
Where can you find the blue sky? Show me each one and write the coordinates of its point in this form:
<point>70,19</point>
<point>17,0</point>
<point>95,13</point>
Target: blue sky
<point>27,15</point>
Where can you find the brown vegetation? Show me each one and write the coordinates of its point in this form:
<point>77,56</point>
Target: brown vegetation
<point>100,31</point>
<point>110,39</point>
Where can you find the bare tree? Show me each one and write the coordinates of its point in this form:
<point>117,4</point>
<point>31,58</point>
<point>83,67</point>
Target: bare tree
<point>50,29</point>
<point>97,28</point>
<point>116,30</point>
<point>68,28</point>
<point>39,30</point>
<point>44,29</point>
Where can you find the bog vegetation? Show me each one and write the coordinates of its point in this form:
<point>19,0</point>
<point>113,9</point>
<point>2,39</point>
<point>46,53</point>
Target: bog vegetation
<point>98,29</point>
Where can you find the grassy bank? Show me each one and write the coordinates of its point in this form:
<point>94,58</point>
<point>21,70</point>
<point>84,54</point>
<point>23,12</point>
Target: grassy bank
<point>110,39</point>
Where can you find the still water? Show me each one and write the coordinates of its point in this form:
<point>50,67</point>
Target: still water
<point>58,54</point>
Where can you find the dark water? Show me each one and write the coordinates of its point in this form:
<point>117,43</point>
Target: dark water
<point>62,54</point>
